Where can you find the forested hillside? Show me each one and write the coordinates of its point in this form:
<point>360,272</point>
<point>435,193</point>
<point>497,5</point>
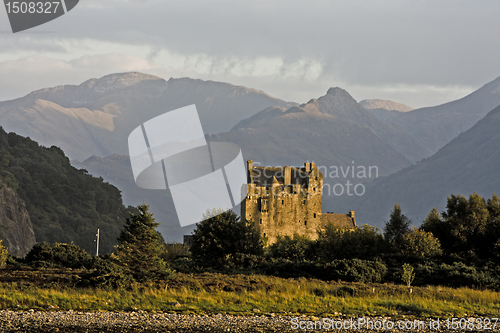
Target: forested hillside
<point>65,204</point>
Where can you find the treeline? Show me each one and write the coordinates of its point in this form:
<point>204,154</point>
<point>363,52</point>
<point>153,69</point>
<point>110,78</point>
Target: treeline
<point>459,247</point>
<point>64,203</point>
<point>138,257</point>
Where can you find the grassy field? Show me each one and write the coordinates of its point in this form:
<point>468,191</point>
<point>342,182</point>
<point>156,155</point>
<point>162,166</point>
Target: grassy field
<point>51,289</point>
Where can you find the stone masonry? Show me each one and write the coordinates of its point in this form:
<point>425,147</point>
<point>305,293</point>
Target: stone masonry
<point>283,201</point>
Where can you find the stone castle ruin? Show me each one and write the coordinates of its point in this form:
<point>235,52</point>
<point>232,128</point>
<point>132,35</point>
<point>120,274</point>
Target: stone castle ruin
<point>283,201</point>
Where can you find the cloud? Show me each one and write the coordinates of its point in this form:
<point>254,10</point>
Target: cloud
<point>289,48</point>
<point>20,77</point>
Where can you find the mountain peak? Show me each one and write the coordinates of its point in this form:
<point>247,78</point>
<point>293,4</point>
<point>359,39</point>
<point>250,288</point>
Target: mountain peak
<point>118,80</point>
<point>336,91</point>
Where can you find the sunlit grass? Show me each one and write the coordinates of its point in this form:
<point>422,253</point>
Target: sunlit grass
<point>205,294</point>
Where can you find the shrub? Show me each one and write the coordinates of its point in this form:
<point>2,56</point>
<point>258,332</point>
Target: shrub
<point>297,248</point>
<point>106,273</point>
<point>57,255</point>
<point>365,242</point>
<point>355,270</point>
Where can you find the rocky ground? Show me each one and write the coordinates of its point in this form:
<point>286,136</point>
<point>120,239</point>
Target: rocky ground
<point>70,321</point>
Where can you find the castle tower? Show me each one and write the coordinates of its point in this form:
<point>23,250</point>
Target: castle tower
<point>283,201</point>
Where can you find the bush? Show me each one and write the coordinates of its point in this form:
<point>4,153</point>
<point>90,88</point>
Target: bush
<point>355,270</point>
<point>57,255</point>
<point>362,243</point>
<point>297,248</point>
<point>106,274</point>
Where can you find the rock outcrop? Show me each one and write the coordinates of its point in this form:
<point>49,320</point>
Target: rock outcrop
<point>16,231</point>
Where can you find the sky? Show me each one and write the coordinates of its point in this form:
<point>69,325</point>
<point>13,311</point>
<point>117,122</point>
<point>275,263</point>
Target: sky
<point>420,53</point>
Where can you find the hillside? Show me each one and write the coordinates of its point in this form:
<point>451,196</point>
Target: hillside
<point>331,130</point>
<point>96,117</point>
<point>468,163</point>
<point>64,204</point>
<point>435,126</point>
<point>371,104</point>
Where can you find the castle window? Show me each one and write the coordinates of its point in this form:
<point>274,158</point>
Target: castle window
<point>305,222</point>
<point>282,202</point>
<point>260,221</point>
<point>314,215</point>
<point>304,202</point>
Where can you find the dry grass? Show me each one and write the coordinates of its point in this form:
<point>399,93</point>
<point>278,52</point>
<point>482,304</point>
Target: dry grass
<point>241,294</point>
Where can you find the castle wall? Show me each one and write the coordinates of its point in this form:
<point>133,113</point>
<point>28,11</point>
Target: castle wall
<point>282,208</point>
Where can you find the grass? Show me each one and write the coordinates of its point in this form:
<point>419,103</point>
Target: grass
<point>240,294</point>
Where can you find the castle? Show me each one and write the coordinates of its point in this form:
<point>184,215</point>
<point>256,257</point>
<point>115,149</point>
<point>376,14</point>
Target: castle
<point>283,201</point>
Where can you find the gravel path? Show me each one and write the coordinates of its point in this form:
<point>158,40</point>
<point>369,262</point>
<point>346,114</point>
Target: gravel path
<point>70,321</point>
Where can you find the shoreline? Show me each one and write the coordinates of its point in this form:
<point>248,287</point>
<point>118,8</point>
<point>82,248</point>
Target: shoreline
<point>142,321</point>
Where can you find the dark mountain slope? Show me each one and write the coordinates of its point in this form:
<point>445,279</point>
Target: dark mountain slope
<point>64,204</point>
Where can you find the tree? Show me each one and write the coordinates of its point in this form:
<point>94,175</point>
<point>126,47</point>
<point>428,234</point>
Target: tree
<point>419,244</point>
<point>365,242</point>
<point>139,249</point>
<point>397,226</point>
<point>223,236</point>
<point>408,274</point>
<point>467,226</point>
<point>297,248</point>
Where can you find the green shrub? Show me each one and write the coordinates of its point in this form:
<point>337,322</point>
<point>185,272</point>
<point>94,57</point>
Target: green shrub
<point>57,255</point>
<point>106,273</point>
<point>297,248</point>
<point>356,270</point>
<point>365,242</point>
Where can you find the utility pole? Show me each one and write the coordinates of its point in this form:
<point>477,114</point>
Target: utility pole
<point>97,241</point>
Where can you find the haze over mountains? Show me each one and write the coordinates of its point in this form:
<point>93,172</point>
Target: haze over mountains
<point>469,163</point>
<point>96,117</point>
<point>331,130</point>
<point>92,121</point>
<point>436,126</point>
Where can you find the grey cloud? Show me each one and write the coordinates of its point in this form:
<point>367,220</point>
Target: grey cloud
<point>358,43</point>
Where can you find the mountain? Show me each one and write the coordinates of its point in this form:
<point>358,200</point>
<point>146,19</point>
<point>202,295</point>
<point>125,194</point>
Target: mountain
<point>96,117</point>
<point>371,104</point>
<point>434,127</point>
<point>331,130</point>
<point>16,231</point>
<point>469,163</point>
<point>64,204</point>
